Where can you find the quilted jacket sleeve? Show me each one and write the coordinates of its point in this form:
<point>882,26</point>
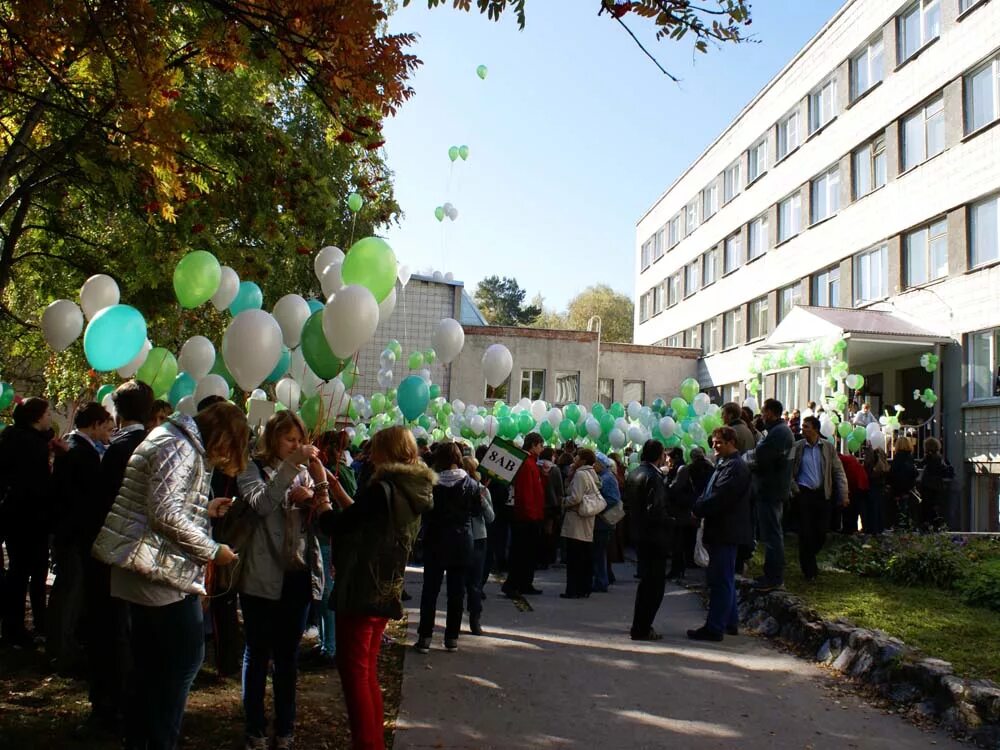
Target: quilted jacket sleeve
<point>175,471</point>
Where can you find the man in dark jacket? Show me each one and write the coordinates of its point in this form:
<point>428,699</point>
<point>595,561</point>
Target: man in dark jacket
<point>772,481</point>
<point>725,506</point>
<point>646,503</point>
<point>688,484</point>
<point>529,516</point>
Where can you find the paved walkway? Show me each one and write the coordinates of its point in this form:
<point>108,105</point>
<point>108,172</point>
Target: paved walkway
<point>566,675</point>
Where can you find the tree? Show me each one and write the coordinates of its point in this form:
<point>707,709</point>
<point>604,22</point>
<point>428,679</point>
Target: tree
<point>502,302</point>
<point>548,318</point>
<point>614,308</point>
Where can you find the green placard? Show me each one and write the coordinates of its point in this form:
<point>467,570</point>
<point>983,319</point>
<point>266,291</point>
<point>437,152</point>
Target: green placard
<point>502,460</point>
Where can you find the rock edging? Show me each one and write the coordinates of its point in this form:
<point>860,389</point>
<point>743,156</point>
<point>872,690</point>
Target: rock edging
<point>927,688</point>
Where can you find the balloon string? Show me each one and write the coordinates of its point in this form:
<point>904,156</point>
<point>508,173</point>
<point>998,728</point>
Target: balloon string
<point>354,221</point>
<point>402,291</point>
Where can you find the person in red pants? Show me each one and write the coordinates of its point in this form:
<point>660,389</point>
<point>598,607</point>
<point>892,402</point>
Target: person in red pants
<point>371,538</point>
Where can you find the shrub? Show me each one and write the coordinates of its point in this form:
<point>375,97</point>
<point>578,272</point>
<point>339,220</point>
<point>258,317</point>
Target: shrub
<point>927,559</point>
<point>865,556</point>
<point>980,586</point>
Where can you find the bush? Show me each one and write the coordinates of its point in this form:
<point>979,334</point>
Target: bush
<point>980,586</point>
<point>865,556</point>
<point>928,559</point>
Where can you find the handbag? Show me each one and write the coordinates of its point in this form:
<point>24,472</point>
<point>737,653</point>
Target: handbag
<point>700,553</point>
<point>592,503</point>
<point>614,514</point>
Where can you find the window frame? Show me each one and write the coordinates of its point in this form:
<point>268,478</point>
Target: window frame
<point>758,317</point>
<point>791,200</point>
<point>992,336</point>
<point>600,391</point>
<point>826,276</point>
<point>732,322</point>
<point>712,326</point>
<point>710,201</point>
<point>531,373</point>
<point>859,282</point>
<point>673,290</point>
<point>560,374</point>
<point>795,290</point>
<point>817,105</point>
<point>657,305</point>
<point>929,239</point>
<point>757,157</point>
<point>732,182</point>
<point>690,288</point>
<point>658,244</point>
<point>920,7</point>
<point>866,53</point>
<point>782,135</point>
<point>764,233</point>
<point>693,335</point>
<point>691,217</point>
<point>642,389</point>
<point>921,113</point>
<point>709,259</point>
<point>875,149</point>
<point>500,393</point>
<point>674,231</point>
<point>829,178</point>
<point>734,241</point>
<point>993,66</point>
<point>977,259</point>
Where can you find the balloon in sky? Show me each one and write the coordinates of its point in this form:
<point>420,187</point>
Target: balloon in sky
<point>371,263</point>
<point>196,278</point>
<point>355,202</point>
<point>453,153</point>
<point>114,336</point>
<point>482,71</point>
<point>62,324</point>
<point>439,213</point>
<point>463,151</point>
<point>497,364</point>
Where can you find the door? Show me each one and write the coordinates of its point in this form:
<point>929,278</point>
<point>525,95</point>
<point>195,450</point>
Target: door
<point>914,379</point>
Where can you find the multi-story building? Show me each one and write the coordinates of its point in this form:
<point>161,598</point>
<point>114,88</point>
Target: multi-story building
<point>856,195</point>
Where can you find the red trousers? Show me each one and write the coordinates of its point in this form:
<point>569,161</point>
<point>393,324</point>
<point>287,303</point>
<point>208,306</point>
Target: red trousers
<point>359,638</point>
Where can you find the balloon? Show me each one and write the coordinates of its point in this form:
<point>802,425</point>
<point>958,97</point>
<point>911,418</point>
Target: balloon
<point>859,435</point>
<point>617,410</point>
<point>291,312</point>
<point>525,423</point>
<point>617,439</point>
<point>316,350</point>
<point>826,427</point>
<point>332,280</point>
<point>546,431</point>
<point>751,403</point>
<point>197,357</point>
<point>477,424</point>
<point>416,361</point>
<point>439,213</point>
<point>497,364</point>
<point>384,378</point>
<point>667,426</point>
<point>844,429</point>
<point>508,427</point>
<point>314,305</point>
<point>127,371</point>
<point>324,258</point>
<point>538,410</point>
<point>453,153</point>
<point>607,423</point>
<point>196,278</point>
<point>310,411</point>
<point>158,371</point>
<point>452,214</point>
<point>248,297</point>
<point>425,375</point>
<point>855,381</point>
<point>350,319</point>
<point>211,385</point>
<point>689,389</point>
<point>355,202</point>
<point>463,151</point>
<point>62,324</point>
<point>97,293</point>
<point>593,427</point>
<point>701,403</point>
<point>435,391</point>
<point>448,339</point>
<point>188,406</point>
<point>679,407</point>
<point>6,395</point>
<point>251,347</point>
<point>633,409</point>
<point>387,306</point>
<point>395,347</point>
<point>103,392</point>
<point>282,368</point>
<point>403,274</point>
<point>598,410</point>
<point>229,285</point>
<point>567,429</point>
<point>572,412</point>
<point>482,71</point>
<point>183,385</point>
<point>554,417</point>
<point>429,356</point>
<point>636,434</point>
<point>114,336</point>
<point>372,264</point>
<point>257,395</point>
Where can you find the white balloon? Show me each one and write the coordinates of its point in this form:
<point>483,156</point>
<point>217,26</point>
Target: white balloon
<point>438,276</point>
<point>458,405</point>
<point>197,357</point>
<point>452,213</point>
<point>636,434</point>
<point>187,406</point>
<point>62,324</point>
<point>633,409</point>
<point>258,395</point>
<point>302,374</point>
<point>386,306</point>
<point>667,426</point>
<point>826,427</point>
<point>291,312</point>
<point>251,347</point>
<point>622,424</point>
<point>335,400</point>
<point>288,392</point>
<point>713,409</point>
<point>210,385</point>
<point>877,440</point>
<point>387,359</point>
<point>477,424</point>
<point>617,439</point>
<point>425,375</point>
<point>449,276</point>
<point>403,274</point>
<point>524,404</point>
<point>447,207</point>
<point>751,403</point>
<point>350,320</point>
<point>448,339</point>
<point>491,425</point>
<point>538,410</point>
<point>98,292</point>
<point>384,378</point>
<point>701,403</point>
<point>871,429</point>
<point>554,417</point>
<point>109,403</point>
<point>127,371</point>
<point>593,428</point>
<point>332,280</point>
<point>229,287</point>
<point>326,256</point>
<point>497,364</point>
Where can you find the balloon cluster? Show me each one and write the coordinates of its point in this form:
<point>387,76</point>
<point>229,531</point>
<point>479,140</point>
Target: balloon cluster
<point>446,210</point>
<point>928,397</point>
<point>929,361</point>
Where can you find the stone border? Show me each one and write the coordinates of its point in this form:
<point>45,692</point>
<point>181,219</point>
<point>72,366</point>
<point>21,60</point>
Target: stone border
<point>926,688</point>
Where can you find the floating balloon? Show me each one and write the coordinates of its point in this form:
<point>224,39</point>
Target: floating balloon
<point>448,339</point>
<point>497,364</point>
<point>197,357</point>
<point>281,369</point>
<point>187,406</point>
<point>482,71</point>
<point>403,274</point>
<point>350,319</point>
<point>355,202</point>
<point>416,361</point>
<point>854,381</point>
<point>183,385</point>
<point>667,426</point>
<point>387,306</point>
<point>211,385</point>
<point>129,370</point>
<point>326,256</point>
<point>372,264</point>
<point>114,336</point>
<point>249,297</point>
<point>413,397</point>
<point>291,312</point>
<point>439,213</point>
<point>316,350</point>
<point>701,403</point>
<point>617,439</point>
<point>97,293</point>
<point>103,392</point>
<point>62,324</point>
<point>229,286</point>
<point>158,371</point>
<point>6,395</point>
<point>251,347</point>
<point>453,215</point>
<point>332,280</point>
<point>453,153</point>
<point>463,151</point>
<point>689,389</point>
<point>196,278</point>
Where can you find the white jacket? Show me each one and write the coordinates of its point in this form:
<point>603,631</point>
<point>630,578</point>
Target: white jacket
<point>574,525</point>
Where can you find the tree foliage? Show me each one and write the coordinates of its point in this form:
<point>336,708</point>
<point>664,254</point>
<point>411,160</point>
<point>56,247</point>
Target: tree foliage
<point>501,301</point>
<point>614,309</point>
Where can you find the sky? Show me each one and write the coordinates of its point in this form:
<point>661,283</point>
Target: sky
<point>573,135</point>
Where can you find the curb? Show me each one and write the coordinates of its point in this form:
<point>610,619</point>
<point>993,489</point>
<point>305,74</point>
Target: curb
<point>925,688</point>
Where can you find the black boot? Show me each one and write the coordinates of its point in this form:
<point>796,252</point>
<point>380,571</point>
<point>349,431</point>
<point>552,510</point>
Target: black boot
<point>474,626</point>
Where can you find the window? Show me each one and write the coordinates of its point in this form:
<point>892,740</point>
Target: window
<point>757,165</point>
<point>708,272</point>
<point>788,135</point>
<point>871,275</point>
<point>674,289</point>
<point>984,361</point>
<point>984,237</point>
<point>691,217</point>
<point>732,184</point>
<point>709,333</point>
<point>926,253</point>
<point>533,384</point>
<point>964,5</point>
<point>867,68</point>
<point>789,217</point>
<point>757,319</point>
<point>788,297</point>
<point>657,299</point>
<point>733,255</point>
<point>786,388</point>
<point>692,337</point>
<point>918,25</point>
<point>869,166</point>
<point>500,393</point>
<point>709,201</point>
<point>982,96</point>
<point>825,195</point>
<point>647,253</point>
<point>644,302</point>
<point>923,134</point>
<point>732,321</point>
<point>633,390</point>
<point>658,248</point>
<point>730,393</point>
<point>674,231</point>
<point>692,275</point>
<point>606,391</point>
<point>676,340</point>
<point>567,387</point>
<point>826,288</point>
<point>759,237</point>
<point>822,105</point>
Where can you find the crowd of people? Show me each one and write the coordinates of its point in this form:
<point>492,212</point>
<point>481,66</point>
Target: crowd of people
<point>153,519</point>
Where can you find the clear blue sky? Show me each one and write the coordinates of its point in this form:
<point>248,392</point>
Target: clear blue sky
<point>572,136</point>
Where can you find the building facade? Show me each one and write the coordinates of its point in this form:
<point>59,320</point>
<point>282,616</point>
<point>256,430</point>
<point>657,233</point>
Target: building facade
<point>865,176</point>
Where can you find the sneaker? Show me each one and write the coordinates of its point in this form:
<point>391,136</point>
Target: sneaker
<point>256,743</point>
<point>475,627</point>
<point>422,646</point>
<point>650,635</point>
<point>451,644</point>
<point>283,743</point>
<point>704,634</point>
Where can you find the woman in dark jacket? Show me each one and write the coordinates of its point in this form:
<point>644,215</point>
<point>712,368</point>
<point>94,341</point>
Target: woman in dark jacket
<point>448,544</point>
<point>689,482</point>
<point>933,483</point>
<point>371,541</point>
<point>901,481</point>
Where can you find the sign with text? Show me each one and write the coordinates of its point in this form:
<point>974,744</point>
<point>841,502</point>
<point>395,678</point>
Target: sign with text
<point>502,460</point>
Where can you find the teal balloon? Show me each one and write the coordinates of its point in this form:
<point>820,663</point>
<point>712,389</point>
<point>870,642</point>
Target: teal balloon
<point>6,395</point>
<point>184,385</point>
<point>659,406</point>
<point>248,297</point>
<point>314,305</point>
<point>114,337</point>
<point>103,392</point>
<point>435,391</point>
<point>413,396</point>
<point>689,389</point>
<point>424,421</point>
<point>525,422</point>
<point>284,363</point>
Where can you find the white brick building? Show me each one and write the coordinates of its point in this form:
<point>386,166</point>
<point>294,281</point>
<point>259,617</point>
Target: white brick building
<point>866,174</point>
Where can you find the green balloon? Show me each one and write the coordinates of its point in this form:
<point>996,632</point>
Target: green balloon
<point>689,389</point>
<point>859,435</point>
<point>844,429</point>
<point>545,430</point>
<point>617,410</point>
<point>572,412</point>
<point>853,445</point>
<point>395,347</point>
<point>567,429</point>
<point>103,392</point>
<point>429,356</point>
<point>659,406</point>
<point>435,391</point>
<point>453,153</point>
<point>371,263</point>
<point>439,213</point>
<point>463,151</point>
<point>507,427</point>
<point>598,411</point>
<point>219,368</point>
<point>502,410</point>
<point>391,394</point>
<point>196,278</point>
<point>355,202</point>
<point>317,352</point>
<point>671,442</point>
<point>679,407</point>
<point>424,421</point>
<point>525,422</point>
<point>482,71</point>
<point>6,395</point>
<point>607,421</point>
<point>349,374</point>
<point>378,403</point>
<point>310,411</point>
<point>158,371</point>
<point>416,361</point>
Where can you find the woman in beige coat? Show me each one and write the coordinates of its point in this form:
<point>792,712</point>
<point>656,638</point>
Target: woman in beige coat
<point>578,525</point>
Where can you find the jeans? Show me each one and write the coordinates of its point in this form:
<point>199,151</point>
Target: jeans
<point>28,551</point>
<point>433,576</point>
<point>327,617</point>
<point>579,567</point>
<point>273,632</point>
<point>474,578</point>
<point>360,638</point>
<point>814,520</point>
<point>525,538</point>
<point>652,571</point>
<point>770,534</point>
<point>602,538</point>
<point>65,607</point>
<point>168,646</point>
<point>721,579</point>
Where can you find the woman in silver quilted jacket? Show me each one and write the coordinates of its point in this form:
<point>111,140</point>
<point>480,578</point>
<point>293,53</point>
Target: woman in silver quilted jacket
<point>158,540</point>
<point>282,573</point>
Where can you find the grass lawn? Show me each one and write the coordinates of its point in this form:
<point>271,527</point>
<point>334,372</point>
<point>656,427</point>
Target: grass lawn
<point>931,619</point>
